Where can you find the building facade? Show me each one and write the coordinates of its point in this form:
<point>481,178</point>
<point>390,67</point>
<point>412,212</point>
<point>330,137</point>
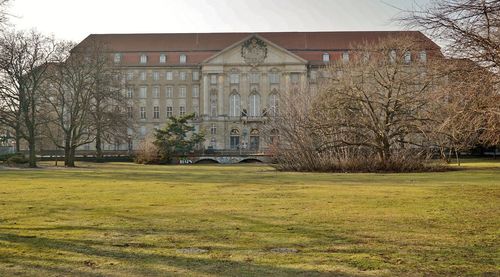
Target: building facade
<point>231,81</point>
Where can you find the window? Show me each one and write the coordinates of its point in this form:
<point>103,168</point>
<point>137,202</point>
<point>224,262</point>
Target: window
<point>143,113</point>
<point>182,92</point>
<point>273,103</point>
<point>169,76</point>
<point>274,78</point>
<point>392,56</point>
<point>169,92</point>
<point>156,92</point>
<point>143,130</point>
<point>156,75</point>
<point>117,58</point>
<point>254,139</point>
<point>143,92</point>
<point>254,104</point>
<point>234,139</point>
<point>234,78</point>
<point>345,57</point>
<point>143,75</point>
<point>182,110</point>
<point>213,129</point>
<point>144,58</point>
<point>407,57</point>
<point>213,79</point>
<point>130,75</point>
<point>326,57</point>
<point>423,56</point>
<point>294,78</point>
<point>156,112</point>
<point>129,112</point>
<point>313,75</point>
<point>234,104</point>
<point>213,103</point>
<point>254,78</point>
<point>182,76</point>
<point>182,58</point>
<point>196,75</point>
<point>170,111</point>
<point>196,92</point>
<point>130,92</point>
<point>163,58</point>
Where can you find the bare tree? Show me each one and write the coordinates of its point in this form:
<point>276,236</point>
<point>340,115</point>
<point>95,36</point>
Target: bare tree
<point>24,59</point>
<point>3,12</point>
<point>370,113</point>
<point>69,96</point>
<point>470,30</point>
<point>108,107</point>
<point>461,106</point>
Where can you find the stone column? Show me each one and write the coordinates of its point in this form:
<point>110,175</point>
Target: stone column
<point>206,101</point>
<point>220,94</point>
<point>244,91</point>
<point>266,89</point>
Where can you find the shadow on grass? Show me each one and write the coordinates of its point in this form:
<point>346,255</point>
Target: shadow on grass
<point>143,263</point>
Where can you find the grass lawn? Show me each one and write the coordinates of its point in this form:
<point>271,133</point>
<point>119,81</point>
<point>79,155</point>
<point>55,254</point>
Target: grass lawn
<point>124,219</point>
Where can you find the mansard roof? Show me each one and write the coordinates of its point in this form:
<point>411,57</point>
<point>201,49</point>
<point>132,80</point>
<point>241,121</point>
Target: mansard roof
<point>200,46</point>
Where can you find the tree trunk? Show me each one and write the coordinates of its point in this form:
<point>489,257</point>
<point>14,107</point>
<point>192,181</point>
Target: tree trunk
<point>67,153</point>
<point>18,142</point>
<point>98,147</point>
<point>457,156</point>
<point>69,160</point>
<point>32,152</point>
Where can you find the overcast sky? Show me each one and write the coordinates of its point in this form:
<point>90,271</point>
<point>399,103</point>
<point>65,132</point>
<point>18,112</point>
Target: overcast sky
<point>76,19</point>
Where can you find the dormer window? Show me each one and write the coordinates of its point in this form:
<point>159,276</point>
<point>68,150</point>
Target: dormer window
<point>326,57</point>
<point>163,58</point>
<point>144,58</point>
<point>117,58</point>
<point>182,58</point>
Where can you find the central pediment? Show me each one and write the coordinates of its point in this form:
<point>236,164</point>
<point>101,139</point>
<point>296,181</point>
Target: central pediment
<point>254,50</point>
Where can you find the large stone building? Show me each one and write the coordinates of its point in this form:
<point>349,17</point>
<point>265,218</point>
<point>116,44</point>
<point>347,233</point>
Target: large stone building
<point>231,81</point>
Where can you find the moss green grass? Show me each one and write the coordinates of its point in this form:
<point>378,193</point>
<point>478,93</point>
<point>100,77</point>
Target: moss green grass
<point>124,219</point>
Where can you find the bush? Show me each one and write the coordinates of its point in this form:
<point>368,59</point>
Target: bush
<point>147,152</point>
<point>17,159</point>
<point>352,159</point>
<point>5,157</point>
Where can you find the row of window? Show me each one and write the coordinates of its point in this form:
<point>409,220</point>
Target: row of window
<point>235,110</point>
<point>169,112</point>
<point>234,78</point>
<point>392,55</point>
<point>144,58</point>
<point>169,75</point>
<point>169,92</point>
<point>254,78</point>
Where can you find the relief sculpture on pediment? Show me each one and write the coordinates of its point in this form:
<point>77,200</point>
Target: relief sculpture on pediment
<point>254,51</point>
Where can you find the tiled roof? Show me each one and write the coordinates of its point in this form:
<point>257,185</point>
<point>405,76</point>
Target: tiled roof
<point>200,46</point>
